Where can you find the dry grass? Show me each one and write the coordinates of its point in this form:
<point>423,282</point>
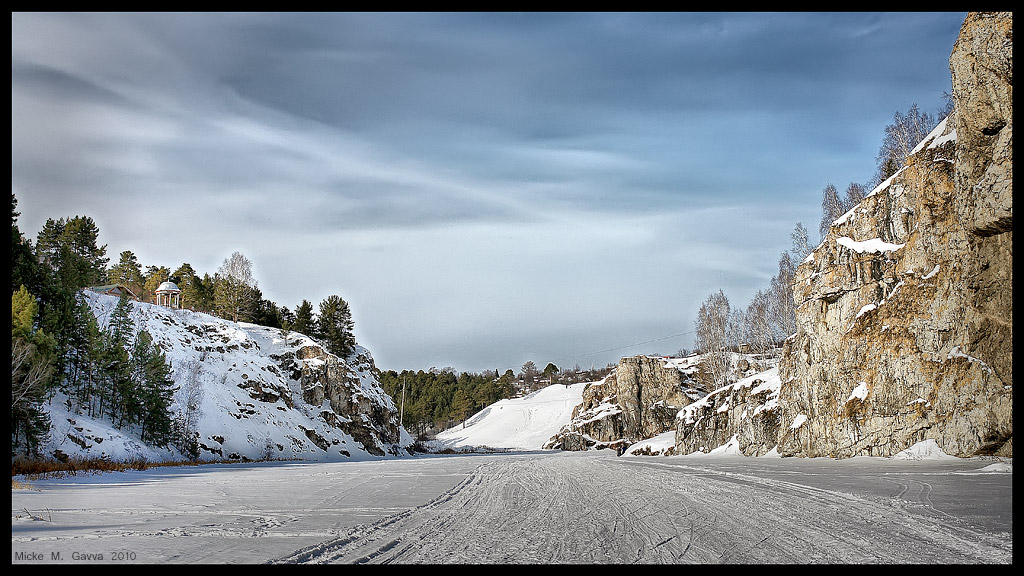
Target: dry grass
<point>31,469</point>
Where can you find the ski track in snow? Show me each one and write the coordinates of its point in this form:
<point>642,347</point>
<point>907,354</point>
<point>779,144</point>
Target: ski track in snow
<point>571,509</point>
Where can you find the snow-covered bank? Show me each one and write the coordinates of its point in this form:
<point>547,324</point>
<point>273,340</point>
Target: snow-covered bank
<point>259,393</point>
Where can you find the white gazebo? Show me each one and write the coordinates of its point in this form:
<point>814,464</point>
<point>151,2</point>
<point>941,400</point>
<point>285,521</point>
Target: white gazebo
<point>168,294</point>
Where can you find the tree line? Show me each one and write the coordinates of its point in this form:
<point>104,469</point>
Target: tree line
<point>117,372</point>
<point>232,293</point>
<point>770,317</point>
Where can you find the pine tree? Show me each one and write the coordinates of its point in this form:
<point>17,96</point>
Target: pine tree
<point>68,246</point>
<point>155,390</point>
<point>127,271</point>
<point>191,286</point>
<point>31,370</point>
<point>335,326</point>
<point>155,276</point>
<point>25,270</point>
<point>304,322</point>
<point>117,391</point>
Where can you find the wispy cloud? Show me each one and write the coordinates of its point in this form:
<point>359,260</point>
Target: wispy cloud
<point>472,183</point>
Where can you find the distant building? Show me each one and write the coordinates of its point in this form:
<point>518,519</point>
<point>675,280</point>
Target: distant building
<point>114,290</point>
<point>168,294</point>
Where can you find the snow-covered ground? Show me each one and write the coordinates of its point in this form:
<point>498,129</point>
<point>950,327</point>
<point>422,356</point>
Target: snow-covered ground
<point>529,506</point>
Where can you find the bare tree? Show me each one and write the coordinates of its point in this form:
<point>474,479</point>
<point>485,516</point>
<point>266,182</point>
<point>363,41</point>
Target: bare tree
<point>831,208</point>
<point>234,287</point>
<point>782,311</point>
<point>905,132</point>
<point>758,324</point>
<point>29,373</point>
<point>801,244</point>
<point>712,337</point>
<point>854,194</point>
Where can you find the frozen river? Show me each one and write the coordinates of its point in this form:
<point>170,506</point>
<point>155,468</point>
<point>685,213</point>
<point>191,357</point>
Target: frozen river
<point>544,507</point>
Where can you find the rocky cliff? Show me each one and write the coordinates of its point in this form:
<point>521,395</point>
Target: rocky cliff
<point>904,312</point>
<point>638,400</point>
<point>251,392</point>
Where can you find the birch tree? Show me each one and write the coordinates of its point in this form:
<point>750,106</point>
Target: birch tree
<point>711,337</point>
<point>233,288</point>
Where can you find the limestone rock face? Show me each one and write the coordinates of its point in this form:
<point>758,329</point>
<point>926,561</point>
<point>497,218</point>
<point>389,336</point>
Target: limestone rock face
<point>324,377</point>
<point>904,312</point>
<point>640,399</point>
<point>747,411</point>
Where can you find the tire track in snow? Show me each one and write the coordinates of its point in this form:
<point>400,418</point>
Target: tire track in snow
<point>565,508</point>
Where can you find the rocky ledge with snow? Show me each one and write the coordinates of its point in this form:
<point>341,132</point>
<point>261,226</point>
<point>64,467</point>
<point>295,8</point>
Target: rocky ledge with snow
<point>257,393</point>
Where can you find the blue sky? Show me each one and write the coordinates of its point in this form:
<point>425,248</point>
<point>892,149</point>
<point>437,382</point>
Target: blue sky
<point>483,189</point>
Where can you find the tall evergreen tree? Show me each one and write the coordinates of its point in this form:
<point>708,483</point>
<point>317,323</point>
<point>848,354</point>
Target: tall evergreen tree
<point>69,247</point>
<point>118,394</point>
<point>155,390</point>
<point>127,271</point>
<point>191,286</point>
<point>155,276</point>
<point>24,264</point>
<point>335,326</point>
<point>304,322</point>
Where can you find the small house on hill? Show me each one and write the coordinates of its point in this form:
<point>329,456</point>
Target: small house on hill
<point>114,290</point>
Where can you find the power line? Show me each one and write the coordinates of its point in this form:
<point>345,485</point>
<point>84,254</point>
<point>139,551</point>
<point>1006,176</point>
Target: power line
<point>628,345</point>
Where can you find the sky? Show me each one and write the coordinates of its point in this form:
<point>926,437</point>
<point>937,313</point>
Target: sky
<point>483,189</point>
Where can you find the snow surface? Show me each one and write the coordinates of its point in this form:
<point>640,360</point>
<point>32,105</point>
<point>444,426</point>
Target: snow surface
<point>519,423</point>
<point>528,507</point>
<point>872,245</point>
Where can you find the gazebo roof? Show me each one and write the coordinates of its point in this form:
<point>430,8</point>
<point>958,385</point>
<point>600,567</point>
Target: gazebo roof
<point>168,287</point>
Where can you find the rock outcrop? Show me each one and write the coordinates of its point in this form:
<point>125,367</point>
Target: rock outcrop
<point>640,399</point>
<point>746,412</point>
<point>904,312</point>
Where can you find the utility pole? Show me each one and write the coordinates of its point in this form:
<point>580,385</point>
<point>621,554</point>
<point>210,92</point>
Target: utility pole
<point>401,411</point>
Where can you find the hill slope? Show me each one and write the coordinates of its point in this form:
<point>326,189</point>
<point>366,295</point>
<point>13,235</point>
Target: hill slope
<point>517,424</point>
<point>259,395</point>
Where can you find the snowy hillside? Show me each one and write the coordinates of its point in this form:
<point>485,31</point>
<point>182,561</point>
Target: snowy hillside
<point>517,424</point>
<point>252,387</point>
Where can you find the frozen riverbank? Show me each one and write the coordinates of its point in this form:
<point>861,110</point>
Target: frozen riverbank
<point>528,507</point>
